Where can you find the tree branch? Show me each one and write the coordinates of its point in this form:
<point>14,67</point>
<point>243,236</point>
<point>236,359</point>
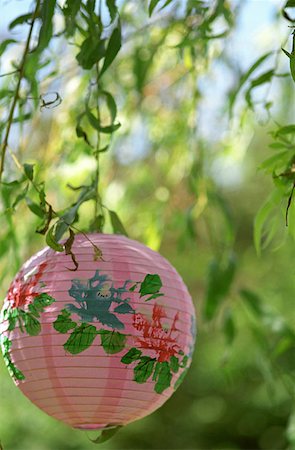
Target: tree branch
<point>17,89</point>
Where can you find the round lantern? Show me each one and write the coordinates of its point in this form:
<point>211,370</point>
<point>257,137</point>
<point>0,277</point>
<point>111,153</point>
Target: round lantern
<point>101,344</point>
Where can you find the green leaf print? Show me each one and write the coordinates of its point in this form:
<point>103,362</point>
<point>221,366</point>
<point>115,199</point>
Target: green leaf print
<point>64,323</point>
<point>163,378</point>
<point>151,285</point>
<point>27,320</point>
<point>174,364</point>
<point>40,303</point>
<point>32,325</point>
<point>131,356</point>
<point>12,369</point>
<point>13,317</point>
<point>158,294</point>
<point>184,361</point>
<point>112,341</point>
<point>144,369</point>
<point>80,339</point>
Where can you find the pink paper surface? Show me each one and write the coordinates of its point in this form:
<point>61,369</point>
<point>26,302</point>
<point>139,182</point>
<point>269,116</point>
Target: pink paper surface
<point>94,388</point>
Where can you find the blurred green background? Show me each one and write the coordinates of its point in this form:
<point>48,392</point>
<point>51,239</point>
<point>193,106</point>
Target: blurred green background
<point>182,173</point>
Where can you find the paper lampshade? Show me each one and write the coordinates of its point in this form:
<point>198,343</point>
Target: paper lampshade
<point>103,345</point>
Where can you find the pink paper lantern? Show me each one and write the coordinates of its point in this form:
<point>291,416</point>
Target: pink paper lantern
<point>103,345</point>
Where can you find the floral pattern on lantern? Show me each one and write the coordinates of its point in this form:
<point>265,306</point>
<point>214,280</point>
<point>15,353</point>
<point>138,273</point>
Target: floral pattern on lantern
<point>24,308</point>
<point>159,341</point>
<point>113,314</point>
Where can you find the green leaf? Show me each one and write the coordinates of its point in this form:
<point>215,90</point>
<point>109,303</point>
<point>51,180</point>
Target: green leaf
<point>82,134</point>
<point>111,104</point>
<point>92,50</point>
<point>46,30</point>
<point>243,79</point>
<point>70,11</point>
<point>22,117</point>
<point>101,150</point>
<point>43,300</point>
<point>153,296</point>
<point>113,9</point>
<point>152,6</point>
<point>106,435</point>
<point>275,161</point>
<point>112,49</point>
<point>5,344</point>
<point>156,372</point>
<point>12,316</point>
<point>277,145</point>
<point>219,280</point>
<point>253,301</point>
<point>35,208</point>
<point>150,285</point>
<point>40,303</point>
<point>262,215</point>
<point>29,171</point>
<point>4,44</point>
<point>118,227</point>
<point>80,339</point>
<point>290,4</point>
<point>164,377</point>
<point>112,341</point>
<point>43,227</point>
<point>174,364</point>
<point>32,325</point>
<point>109,129</point>
<point>262,79</point>
<point>13,370</point>
<point>69,216</point>
<point>229,328</point>
<point>20,20</point>
<point>21,196</point>
<point>94,121</point>
<point>132,289</point>
<point>181,378</point>
<point>132,355</point>
<point>64,323</point>
<point>97,224</point>
<point>144,369</point>
<point>62,225</point>
<point>51,240</point>
<point>184,361</point>
<point>288,129</point>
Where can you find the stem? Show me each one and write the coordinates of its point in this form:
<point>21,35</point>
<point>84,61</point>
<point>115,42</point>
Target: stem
<point>8,73</point>
<point>96,181</point>
<point>17,89</point>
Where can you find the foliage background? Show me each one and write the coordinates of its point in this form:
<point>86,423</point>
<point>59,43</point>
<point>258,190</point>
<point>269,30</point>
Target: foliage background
<point>181,172</point>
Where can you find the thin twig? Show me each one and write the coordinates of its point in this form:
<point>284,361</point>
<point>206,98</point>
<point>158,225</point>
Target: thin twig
<point>97,197</point>
<point>6,75</point>
<point>289,203</point>
<point>17,89</point>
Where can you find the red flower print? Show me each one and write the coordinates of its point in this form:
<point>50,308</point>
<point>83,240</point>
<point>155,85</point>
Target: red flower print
<point>154,336</point>
<point>21,290</point>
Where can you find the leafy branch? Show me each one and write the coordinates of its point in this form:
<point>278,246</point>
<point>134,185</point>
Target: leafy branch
<point>21,70</point>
